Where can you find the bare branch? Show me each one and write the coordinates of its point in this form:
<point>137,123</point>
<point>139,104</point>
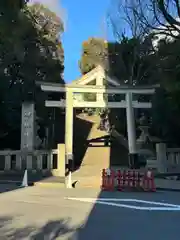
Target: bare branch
<point>161,17</point>
<point>169,18</point>
<point>127,14</point>
<point>177,7</point>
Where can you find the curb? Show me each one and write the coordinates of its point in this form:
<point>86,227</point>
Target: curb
<point>88,187</point>
<point>17,183</point>
<point>48,184</point>
<point>62,185</point>
<point>167,189</point>
<point>33,184</point>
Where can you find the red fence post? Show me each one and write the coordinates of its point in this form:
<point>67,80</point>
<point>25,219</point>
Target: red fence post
<point>108,174</point>
<point>124,178</point>
<point>104,180</point>
<point>144,182</point>
<point>148,182</point>
<point>108,179</point>
<point>138,180</point>
<point>134,179</point>
<point>128,177</point>
<point>151,181</point>
<point>119,180</point>
<point>112,180</point>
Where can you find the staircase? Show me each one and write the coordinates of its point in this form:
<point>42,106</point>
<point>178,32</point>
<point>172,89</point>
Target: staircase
<point>96,157</point>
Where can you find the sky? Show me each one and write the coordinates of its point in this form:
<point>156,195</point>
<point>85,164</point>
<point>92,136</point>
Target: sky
<point>82,19</point>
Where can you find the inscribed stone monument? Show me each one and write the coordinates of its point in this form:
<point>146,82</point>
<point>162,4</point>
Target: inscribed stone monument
<point>27,126</point>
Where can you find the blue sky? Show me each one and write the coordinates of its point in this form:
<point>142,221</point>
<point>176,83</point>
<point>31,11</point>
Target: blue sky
<point>84,19</point>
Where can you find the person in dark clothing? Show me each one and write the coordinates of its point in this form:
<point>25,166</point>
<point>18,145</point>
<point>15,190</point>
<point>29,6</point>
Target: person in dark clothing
<point>102,121</point>
<point>106,124</point>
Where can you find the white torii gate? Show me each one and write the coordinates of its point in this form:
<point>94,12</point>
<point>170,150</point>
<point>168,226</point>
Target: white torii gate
<point>99,89</point>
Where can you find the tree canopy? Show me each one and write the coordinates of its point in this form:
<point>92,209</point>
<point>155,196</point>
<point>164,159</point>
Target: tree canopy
<point>138,57</point>
<point>30,51</point>
<point>94,52</point>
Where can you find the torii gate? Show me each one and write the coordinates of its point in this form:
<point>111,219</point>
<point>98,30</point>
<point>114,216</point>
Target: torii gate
<point>79,87</point>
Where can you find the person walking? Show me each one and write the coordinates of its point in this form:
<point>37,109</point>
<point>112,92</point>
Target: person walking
<point>102,121</point>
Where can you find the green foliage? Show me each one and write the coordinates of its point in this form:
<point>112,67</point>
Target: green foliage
<point>166,111</point>
<point>129,60</point>
<point>94,52</point>
<point>48,22</point>
<point>135,61</point>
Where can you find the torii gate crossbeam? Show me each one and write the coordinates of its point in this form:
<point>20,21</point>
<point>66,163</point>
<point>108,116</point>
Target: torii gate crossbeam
<point>129,104</point>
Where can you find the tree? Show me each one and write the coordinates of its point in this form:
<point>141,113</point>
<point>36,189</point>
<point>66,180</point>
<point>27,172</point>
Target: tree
<point>161,16</point>
<point>10,54</point>
<point>135,51</point>
<point>167,103</point>
<point>28,54</point>
<point>94,53</point>
<point>47,21</point>
<point>155,17</point>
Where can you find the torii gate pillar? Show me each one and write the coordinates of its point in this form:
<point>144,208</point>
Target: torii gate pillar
<point>69,127</point>
<point>131,131</point>
<point>99,82</point>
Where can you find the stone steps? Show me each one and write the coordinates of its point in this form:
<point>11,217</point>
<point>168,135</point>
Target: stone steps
<point>97,157</point>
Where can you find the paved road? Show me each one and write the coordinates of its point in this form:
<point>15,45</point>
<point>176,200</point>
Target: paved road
<point>43,213</point>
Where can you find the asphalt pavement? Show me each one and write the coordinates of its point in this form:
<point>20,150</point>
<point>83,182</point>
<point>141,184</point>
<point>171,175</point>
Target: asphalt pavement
<point>86,214</point>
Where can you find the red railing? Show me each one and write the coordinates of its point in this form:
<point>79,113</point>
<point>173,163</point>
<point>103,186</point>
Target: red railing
<point>127,180</point>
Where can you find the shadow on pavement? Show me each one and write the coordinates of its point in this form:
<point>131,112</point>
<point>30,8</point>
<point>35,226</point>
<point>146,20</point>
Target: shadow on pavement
<point>50,231</point>
<point>4,188</point>
<point>110,222</point>
<point>104,222</point>
<point>15,179</point>
<point>118,154</point>
<point>82,129</point>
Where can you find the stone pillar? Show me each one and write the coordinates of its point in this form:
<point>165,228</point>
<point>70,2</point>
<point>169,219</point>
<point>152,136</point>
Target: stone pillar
<point>131,131</point>
<point>7,163</point>
<point>69,126</point>
<point>29,159</point>
<point>161,157</point>
<point>49,161</point>
<point>39,162</point>
<point>27,133</point>
<point>18,162</point>
<point>61,162</point>
<point>27,126</point>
